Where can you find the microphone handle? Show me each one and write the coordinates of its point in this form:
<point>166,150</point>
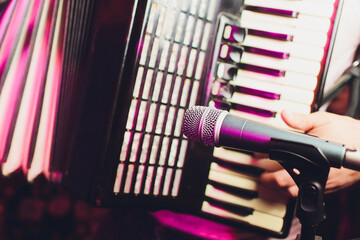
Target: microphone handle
<point>244,134</point>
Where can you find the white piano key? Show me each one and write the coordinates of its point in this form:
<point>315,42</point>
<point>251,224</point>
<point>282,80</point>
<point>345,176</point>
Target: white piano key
<point>138,81</point>
<point>148,83</point>
<point>139,177</point>
<point>189,30</point>
<point>214,167</point>
<point>182,63</point>
<point>148,180</point>
<point>266,104</point>
<point>258,204</point>
<point>173,57</point>
<point>170,121</point>
<point>299,50</point>
<point>119,175</point>
<point>292,64</point>
<point>176,90</point>
<point>180,27</point>
<point>167,181</point>
<point>157,87</point>
<point>293,79</point>
<point>128,181</point>
<point>170,23</point>
<point>179,121</point>
<point>161,20</point>
<point>302,21</point>
<point>151,19</point>
<point>182,153</point>
<point>144,50</point>
<point>259,219</point>
<point>206,35</point>
<point>298,35</point>
<point>125,146</point>
<point>203,8</point>
<point>145,148</point>
<point>285,92</point>
<point>191,62</point>
<point>154,52</point>
<point>173,152</point>
<point>160,119</point>
<point>198,31</point>
<point>154,150</point>
<point>235,180</point>
<point>185,92</point>
<point>211,10</point>
<point>141,115</point>
<point>135,147</point>
<point>200,65</point>
<point>151,117</point>
<point>176,183</point>
<point>164,151</point>
<point>167,89</point>
<point>194,93</point>
<point>315,8</point>
<point>157,183</point>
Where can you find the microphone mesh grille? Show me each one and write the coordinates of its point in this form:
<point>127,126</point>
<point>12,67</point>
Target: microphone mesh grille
<point>199,124</point>
<point>191,122</point>
<point>207,131</point>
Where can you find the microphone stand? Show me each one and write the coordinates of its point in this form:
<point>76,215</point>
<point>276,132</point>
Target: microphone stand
<point>307,166</point>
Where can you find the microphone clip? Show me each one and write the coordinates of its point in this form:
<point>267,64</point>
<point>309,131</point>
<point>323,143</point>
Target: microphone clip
<point>309,169</point>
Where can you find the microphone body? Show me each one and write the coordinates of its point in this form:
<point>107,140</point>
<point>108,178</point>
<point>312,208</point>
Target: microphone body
<point>216,127</point>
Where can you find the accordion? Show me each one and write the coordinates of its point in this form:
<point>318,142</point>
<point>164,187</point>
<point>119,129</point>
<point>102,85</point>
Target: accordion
<point>93,93</point>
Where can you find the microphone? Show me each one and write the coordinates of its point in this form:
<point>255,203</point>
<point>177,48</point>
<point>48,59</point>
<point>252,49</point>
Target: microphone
<point>214,127</point>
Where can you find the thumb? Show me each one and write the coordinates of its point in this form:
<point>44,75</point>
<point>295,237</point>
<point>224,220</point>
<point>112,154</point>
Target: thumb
<point>300,121</point>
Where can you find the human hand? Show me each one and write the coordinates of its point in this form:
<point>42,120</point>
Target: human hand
<point>328,126</point>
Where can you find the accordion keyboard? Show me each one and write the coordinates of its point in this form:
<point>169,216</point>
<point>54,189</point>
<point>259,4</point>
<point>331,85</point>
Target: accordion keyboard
<point>271,59</point>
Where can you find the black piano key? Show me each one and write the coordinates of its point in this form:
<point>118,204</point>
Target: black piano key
<point>272,35</point>
<point>221,104</point>
<point>268,53</point>
<point>245,193</point>
<point>257,92</point>
<point>237,209</point>
<point>262,70</point>
<point>273,11</point>
<point>241,168</point>
<point>253,110</point>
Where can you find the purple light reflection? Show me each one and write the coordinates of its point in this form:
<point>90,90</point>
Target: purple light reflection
<point>257,92</point>
<point>273,11</point>
<point>253,110</point>
<point>264,70</point>
<point>268,53</point>
<point>272,35</point>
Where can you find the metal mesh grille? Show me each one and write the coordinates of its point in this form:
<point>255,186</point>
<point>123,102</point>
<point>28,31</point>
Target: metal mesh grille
<point>209,123</point>
<point>192,120</point>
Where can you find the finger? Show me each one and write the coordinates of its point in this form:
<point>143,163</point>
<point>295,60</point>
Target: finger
<point>280,179</point>
<point>293,191</point>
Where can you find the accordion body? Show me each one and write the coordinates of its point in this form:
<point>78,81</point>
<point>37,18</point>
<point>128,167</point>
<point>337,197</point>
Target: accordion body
<point>116,77</point>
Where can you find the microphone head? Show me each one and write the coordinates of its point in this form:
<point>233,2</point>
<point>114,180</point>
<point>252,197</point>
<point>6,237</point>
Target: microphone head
<point>200,124</point>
